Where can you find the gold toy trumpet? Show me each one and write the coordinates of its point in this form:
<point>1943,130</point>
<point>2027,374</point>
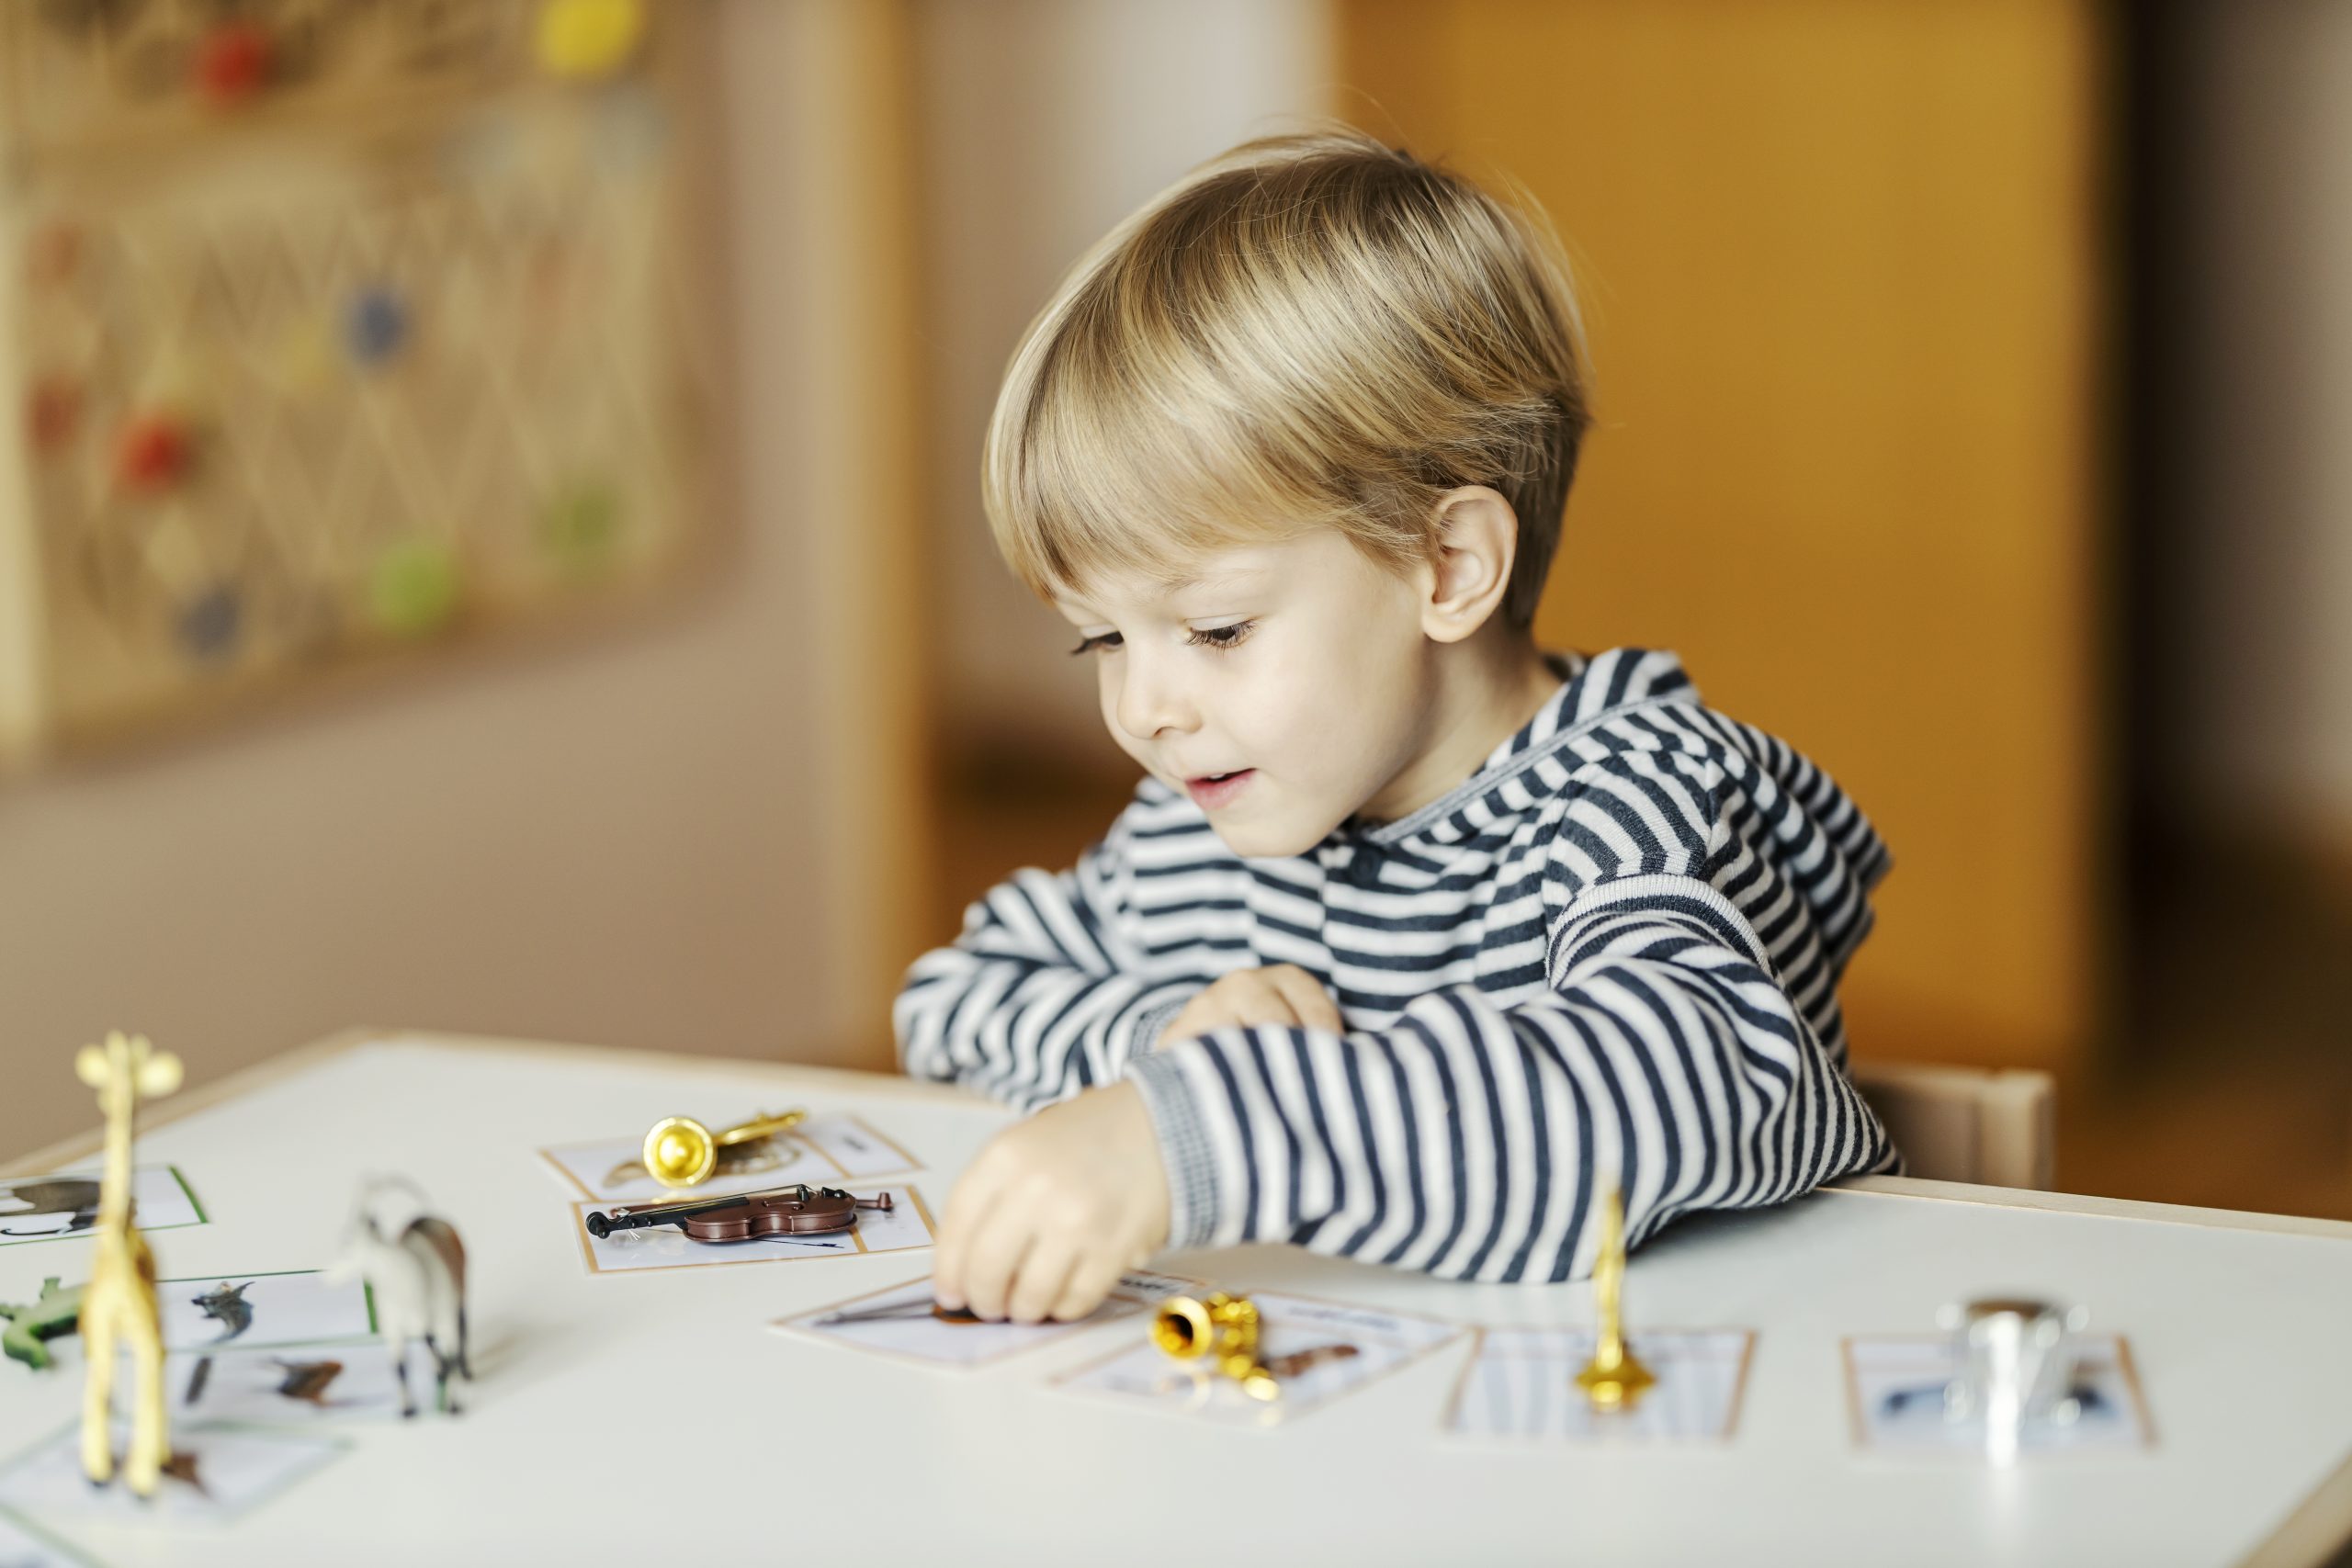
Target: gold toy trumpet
<point>1222,1329</point>
<point>680,1152</point>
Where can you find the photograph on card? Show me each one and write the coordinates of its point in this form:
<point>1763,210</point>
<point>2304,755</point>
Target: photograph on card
<point>1902,1398</point>
<point>1522,1384</point>
<point>299,1385</point>
<point>1312,1352</point>
<point>829,1148</point>
<point>217,1474</point>
<point>64,1204</point>
<point>902,1320</point>
<point>904,1224</point>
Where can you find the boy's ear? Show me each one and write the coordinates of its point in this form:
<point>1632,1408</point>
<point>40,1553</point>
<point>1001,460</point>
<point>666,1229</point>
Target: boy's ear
<point>1477,544</point>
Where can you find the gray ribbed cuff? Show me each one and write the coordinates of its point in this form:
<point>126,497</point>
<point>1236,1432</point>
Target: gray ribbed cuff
<point>1151,1025</point>
<point>1183,1146</point>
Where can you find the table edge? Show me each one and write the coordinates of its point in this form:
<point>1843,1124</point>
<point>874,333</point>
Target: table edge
<point>298,1059</point>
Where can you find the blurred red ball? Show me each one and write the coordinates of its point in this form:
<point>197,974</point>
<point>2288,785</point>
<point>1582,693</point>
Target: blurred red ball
<point>232,62</point>
<point>154,453</point>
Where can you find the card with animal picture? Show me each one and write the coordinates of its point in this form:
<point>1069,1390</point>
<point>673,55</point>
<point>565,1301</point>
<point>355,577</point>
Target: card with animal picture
<point>1316,1351</point>
<point>217,1474</point>
<point>296,1385</point>
<point>902,1320</point>
<point>1895,1388</point>
<point>828,1148</point>
<point>45,1208</point>
<point>262,1311</point>
<point>24,1544</point>
<point>904,1225</point>
<point>1521,1384</point>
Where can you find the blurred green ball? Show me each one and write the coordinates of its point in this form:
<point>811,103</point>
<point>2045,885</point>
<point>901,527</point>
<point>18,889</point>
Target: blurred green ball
<point>412,589</point>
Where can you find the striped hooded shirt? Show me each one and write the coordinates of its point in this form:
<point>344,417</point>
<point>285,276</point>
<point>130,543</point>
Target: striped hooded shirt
<point>1610,958</point>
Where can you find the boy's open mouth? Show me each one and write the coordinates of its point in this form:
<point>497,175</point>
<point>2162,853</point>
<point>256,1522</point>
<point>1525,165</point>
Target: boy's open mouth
<point>1211,790</point>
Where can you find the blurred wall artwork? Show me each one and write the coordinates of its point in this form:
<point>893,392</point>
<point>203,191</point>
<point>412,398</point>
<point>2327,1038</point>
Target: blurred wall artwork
<point>337,331</point>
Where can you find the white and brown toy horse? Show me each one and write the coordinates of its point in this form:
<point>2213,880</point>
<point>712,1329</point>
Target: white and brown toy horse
<point>418,1272</point>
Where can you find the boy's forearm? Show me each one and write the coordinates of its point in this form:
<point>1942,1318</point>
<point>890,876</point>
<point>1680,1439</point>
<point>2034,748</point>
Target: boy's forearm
<point>1473,1141</point>
<point>1027,1034</point>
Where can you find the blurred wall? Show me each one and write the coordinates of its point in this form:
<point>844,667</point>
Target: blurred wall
<point>605,838</point>
<point>1043,123</point>
<point>2253,656</point>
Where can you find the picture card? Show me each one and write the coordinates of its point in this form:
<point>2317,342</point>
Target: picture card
<point>298,1385</point>
<point>217,1474</point>
<point>828,1149</point>
<point>907,1224</point>
<point>255,1312</point>
<point>899,1322</point>
<point>49,1208</point>
<point>1895,1385</point>
<point>1320,1350</point>
<point>1521,1384</point>
<point>23,1545</point>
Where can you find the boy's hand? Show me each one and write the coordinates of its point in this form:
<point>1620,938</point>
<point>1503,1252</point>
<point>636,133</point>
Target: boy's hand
<point>1054,1211</point>
<point>1280,994</point>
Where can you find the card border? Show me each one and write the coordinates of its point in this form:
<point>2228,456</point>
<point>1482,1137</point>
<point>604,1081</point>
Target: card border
<point>792,1325</point>
<point>42,1536</point>
<point>1858,1431</point>
<point>367,1290</point>
<point>588,1256</point>
<point>202,1216</point>
<point>911,1169</point>
<point>1478,1347</point>
<point>1278,1416</point>
<point>299,1435</point>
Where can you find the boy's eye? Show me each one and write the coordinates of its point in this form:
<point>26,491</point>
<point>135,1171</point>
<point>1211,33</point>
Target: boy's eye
<point>1105,643</point>
<point>1222,637</point>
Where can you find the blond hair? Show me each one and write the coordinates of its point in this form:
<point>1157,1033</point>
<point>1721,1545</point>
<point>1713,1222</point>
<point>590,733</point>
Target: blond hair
<point>1309,330</point>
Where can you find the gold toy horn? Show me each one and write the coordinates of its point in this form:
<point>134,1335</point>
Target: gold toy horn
<point>680,1152</point>
<point>1220,1327</point>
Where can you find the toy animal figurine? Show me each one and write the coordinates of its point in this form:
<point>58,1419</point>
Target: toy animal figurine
<point>74,1196</point>
<point>119,1303</point>
<point>419,1277</point>
<point>55,1313</point>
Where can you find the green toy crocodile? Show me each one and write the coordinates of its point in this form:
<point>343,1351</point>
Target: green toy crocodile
<point>58,1312</point>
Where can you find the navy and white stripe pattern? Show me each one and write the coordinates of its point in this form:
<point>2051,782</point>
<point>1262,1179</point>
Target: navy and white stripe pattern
<point>1610,958</point>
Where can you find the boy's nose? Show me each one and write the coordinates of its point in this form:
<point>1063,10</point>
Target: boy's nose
<point>1148,705</point>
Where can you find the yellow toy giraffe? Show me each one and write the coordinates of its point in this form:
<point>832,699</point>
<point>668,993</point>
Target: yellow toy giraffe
<point>119,1303</point>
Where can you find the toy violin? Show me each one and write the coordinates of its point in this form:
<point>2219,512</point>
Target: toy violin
<point>798,1210</point>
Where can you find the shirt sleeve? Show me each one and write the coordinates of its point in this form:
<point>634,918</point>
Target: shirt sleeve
<point>1045,993</point>
<point>1474,1140</point>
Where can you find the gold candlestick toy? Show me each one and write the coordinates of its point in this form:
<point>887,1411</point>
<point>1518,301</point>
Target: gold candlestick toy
<point>119,1303</point>
<point>1615,1379</point>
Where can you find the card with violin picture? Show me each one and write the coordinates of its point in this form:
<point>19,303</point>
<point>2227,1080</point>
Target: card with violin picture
<point>772,1226</point>
<point>831,1147</point>
<point>902,1320</point>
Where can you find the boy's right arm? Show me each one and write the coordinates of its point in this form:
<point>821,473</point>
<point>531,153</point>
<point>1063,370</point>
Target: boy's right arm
<point>1044,994</point>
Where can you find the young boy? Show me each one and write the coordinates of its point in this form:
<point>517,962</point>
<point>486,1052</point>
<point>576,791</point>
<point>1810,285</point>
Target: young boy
<point>1414,939</point>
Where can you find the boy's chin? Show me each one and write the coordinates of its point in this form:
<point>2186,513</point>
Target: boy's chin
<point>1270,840</point>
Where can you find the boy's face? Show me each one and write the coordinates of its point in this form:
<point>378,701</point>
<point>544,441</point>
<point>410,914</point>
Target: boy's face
<point>1298,670</point>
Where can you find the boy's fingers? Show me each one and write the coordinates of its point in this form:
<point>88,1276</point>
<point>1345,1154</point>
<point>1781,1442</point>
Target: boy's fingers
<point>1313,1004</point>
<point>996,1255</point>
<point>1045,1274</point>
<point>1089,1283</point>
<point>973,1200</point>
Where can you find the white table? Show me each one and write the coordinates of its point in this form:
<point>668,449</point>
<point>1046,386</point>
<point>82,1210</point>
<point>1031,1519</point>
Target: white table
<point>648,1419</point>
